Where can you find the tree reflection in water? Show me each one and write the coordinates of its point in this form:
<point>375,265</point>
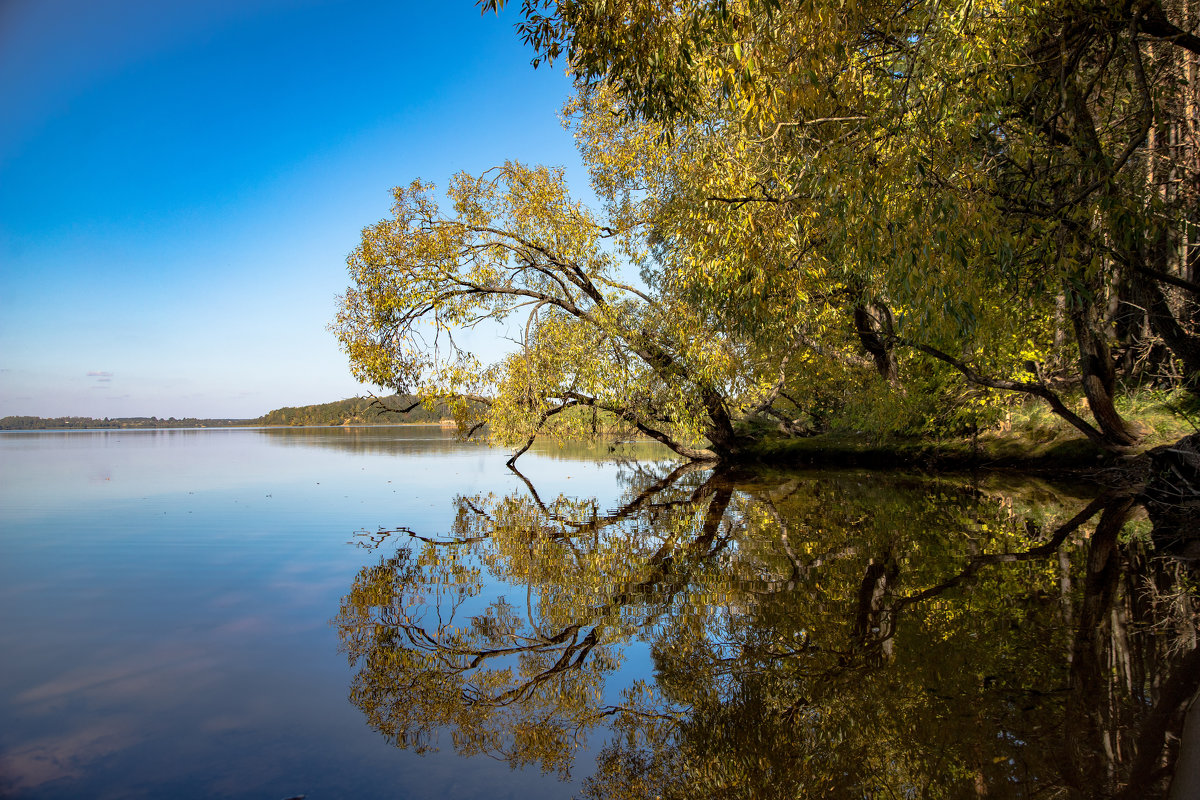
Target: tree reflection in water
<point>813,635</point>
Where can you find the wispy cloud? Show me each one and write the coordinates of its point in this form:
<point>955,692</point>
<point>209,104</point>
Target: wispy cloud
<point>95,373</point>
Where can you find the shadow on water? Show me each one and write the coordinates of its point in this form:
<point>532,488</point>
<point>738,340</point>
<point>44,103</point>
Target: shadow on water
<point>811,635</point>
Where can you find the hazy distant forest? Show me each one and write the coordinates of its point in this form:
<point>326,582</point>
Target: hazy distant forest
<point>883,219</point>
<point>354,411</point>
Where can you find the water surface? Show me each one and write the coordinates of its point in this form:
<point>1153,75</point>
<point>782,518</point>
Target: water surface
<point>385,612</point>
<point>165,607</point>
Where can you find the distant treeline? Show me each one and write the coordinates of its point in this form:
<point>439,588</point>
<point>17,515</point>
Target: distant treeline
<point>353,411</point>
<point>51,423</point>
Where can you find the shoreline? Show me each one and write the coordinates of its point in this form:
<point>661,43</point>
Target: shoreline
<point>226,427</point>
<point>1070,459</point>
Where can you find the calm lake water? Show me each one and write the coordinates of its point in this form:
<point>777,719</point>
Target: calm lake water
<point>385,612</point>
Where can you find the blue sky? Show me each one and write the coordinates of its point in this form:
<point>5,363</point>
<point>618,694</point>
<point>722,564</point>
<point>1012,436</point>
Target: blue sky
<point>180,183</point>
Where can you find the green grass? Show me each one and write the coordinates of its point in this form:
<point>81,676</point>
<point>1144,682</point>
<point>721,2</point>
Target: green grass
<point>1029,436</point>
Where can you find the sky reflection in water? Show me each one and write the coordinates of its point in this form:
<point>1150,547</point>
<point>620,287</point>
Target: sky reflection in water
<point>166,602</point>
<point>165,599</point>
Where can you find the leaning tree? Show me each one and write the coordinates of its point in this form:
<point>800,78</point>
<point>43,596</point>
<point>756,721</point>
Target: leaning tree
<point>518,250</point>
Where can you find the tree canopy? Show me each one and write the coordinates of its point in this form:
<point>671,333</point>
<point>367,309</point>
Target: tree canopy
<point>882,213</point>
<point>928,165</point>
<point>517,244</point>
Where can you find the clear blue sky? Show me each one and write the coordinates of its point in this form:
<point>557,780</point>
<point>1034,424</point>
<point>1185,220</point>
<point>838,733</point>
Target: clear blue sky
<point>181,180</point>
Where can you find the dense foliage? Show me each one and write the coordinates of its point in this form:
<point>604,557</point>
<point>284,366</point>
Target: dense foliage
<point>880,215</point>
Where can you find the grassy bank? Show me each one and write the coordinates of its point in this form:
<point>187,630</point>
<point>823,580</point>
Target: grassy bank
<point>1029,436</point>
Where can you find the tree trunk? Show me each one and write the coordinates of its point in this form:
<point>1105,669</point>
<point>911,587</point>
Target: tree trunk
<point>1153,263</point>
<point>1182,344</point>
<point>1097,373</point>
<point>719,430</point>
<point>873,323</point>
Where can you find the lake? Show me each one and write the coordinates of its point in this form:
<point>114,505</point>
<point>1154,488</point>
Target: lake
<point>386,612</point>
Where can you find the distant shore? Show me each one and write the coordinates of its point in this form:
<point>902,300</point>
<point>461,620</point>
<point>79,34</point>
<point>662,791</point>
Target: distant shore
<point>351,411</point>
<point>249,424</point>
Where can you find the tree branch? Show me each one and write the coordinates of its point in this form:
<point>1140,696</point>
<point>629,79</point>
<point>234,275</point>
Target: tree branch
<point>1035,389</point>
<point>695,454</point>
<point>528,444</point>
<point>1154,23</point>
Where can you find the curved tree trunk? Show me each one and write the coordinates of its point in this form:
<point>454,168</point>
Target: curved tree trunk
<point>1098,374</point>
<point>1082,758</point>
<point>719,430</point>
